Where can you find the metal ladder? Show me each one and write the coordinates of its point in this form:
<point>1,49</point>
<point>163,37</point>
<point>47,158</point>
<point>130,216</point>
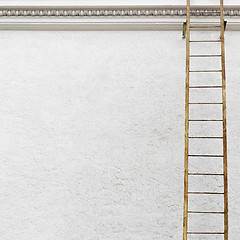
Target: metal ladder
<point>189,214</point>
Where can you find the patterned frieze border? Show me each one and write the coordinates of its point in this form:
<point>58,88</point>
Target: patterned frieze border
<point>118,12</point>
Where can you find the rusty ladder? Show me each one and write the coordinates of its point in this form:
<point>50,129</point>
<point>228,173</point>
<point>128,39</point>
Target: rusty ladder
<point>189,155</point>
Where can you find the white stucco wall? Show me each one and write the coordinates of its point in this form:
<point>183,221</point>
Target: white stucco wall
<point>114,2</point>
<point>92,135</point>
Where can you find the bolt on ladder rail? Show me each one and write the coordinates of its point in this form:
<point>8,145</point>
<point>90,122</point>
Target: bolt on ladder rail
<point>188,157</point>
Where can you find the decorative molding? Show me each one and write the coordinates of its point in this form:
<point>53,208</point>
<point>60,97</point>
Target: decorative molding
<point>115,12</point>
<point>96,12</point>
<point>110,17</point>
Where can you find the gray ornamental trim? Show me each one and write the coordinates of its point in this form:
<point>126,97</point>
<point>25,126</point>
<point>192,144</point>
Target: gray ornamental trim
<point>115,12</point>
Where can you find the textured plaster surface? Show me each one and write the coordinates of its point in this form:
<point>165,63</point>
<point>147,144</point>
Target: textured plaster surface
<point>92,136</point>
<point>115,2</point>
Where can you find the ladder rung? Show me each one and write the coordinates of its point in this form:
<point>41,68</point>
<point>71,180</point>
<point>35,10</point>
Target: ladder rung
<point>204,120</point>
<point>205,87</point>
<point>205,103</point>
<point>206,137</point>
<point>205,41</point>
<point>211,193</point>
<point>207,71</point>
<point>199,56</point>
<point>205,155</point>
<point>205,233</point>
<point>203,27</point>
<point>206,174</point>
<point>206,212</point>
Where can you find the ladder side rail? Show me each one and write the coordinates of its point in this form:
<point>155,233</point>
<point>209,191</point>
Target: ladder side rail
<point>224,123</point>
<point>185,220</point>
